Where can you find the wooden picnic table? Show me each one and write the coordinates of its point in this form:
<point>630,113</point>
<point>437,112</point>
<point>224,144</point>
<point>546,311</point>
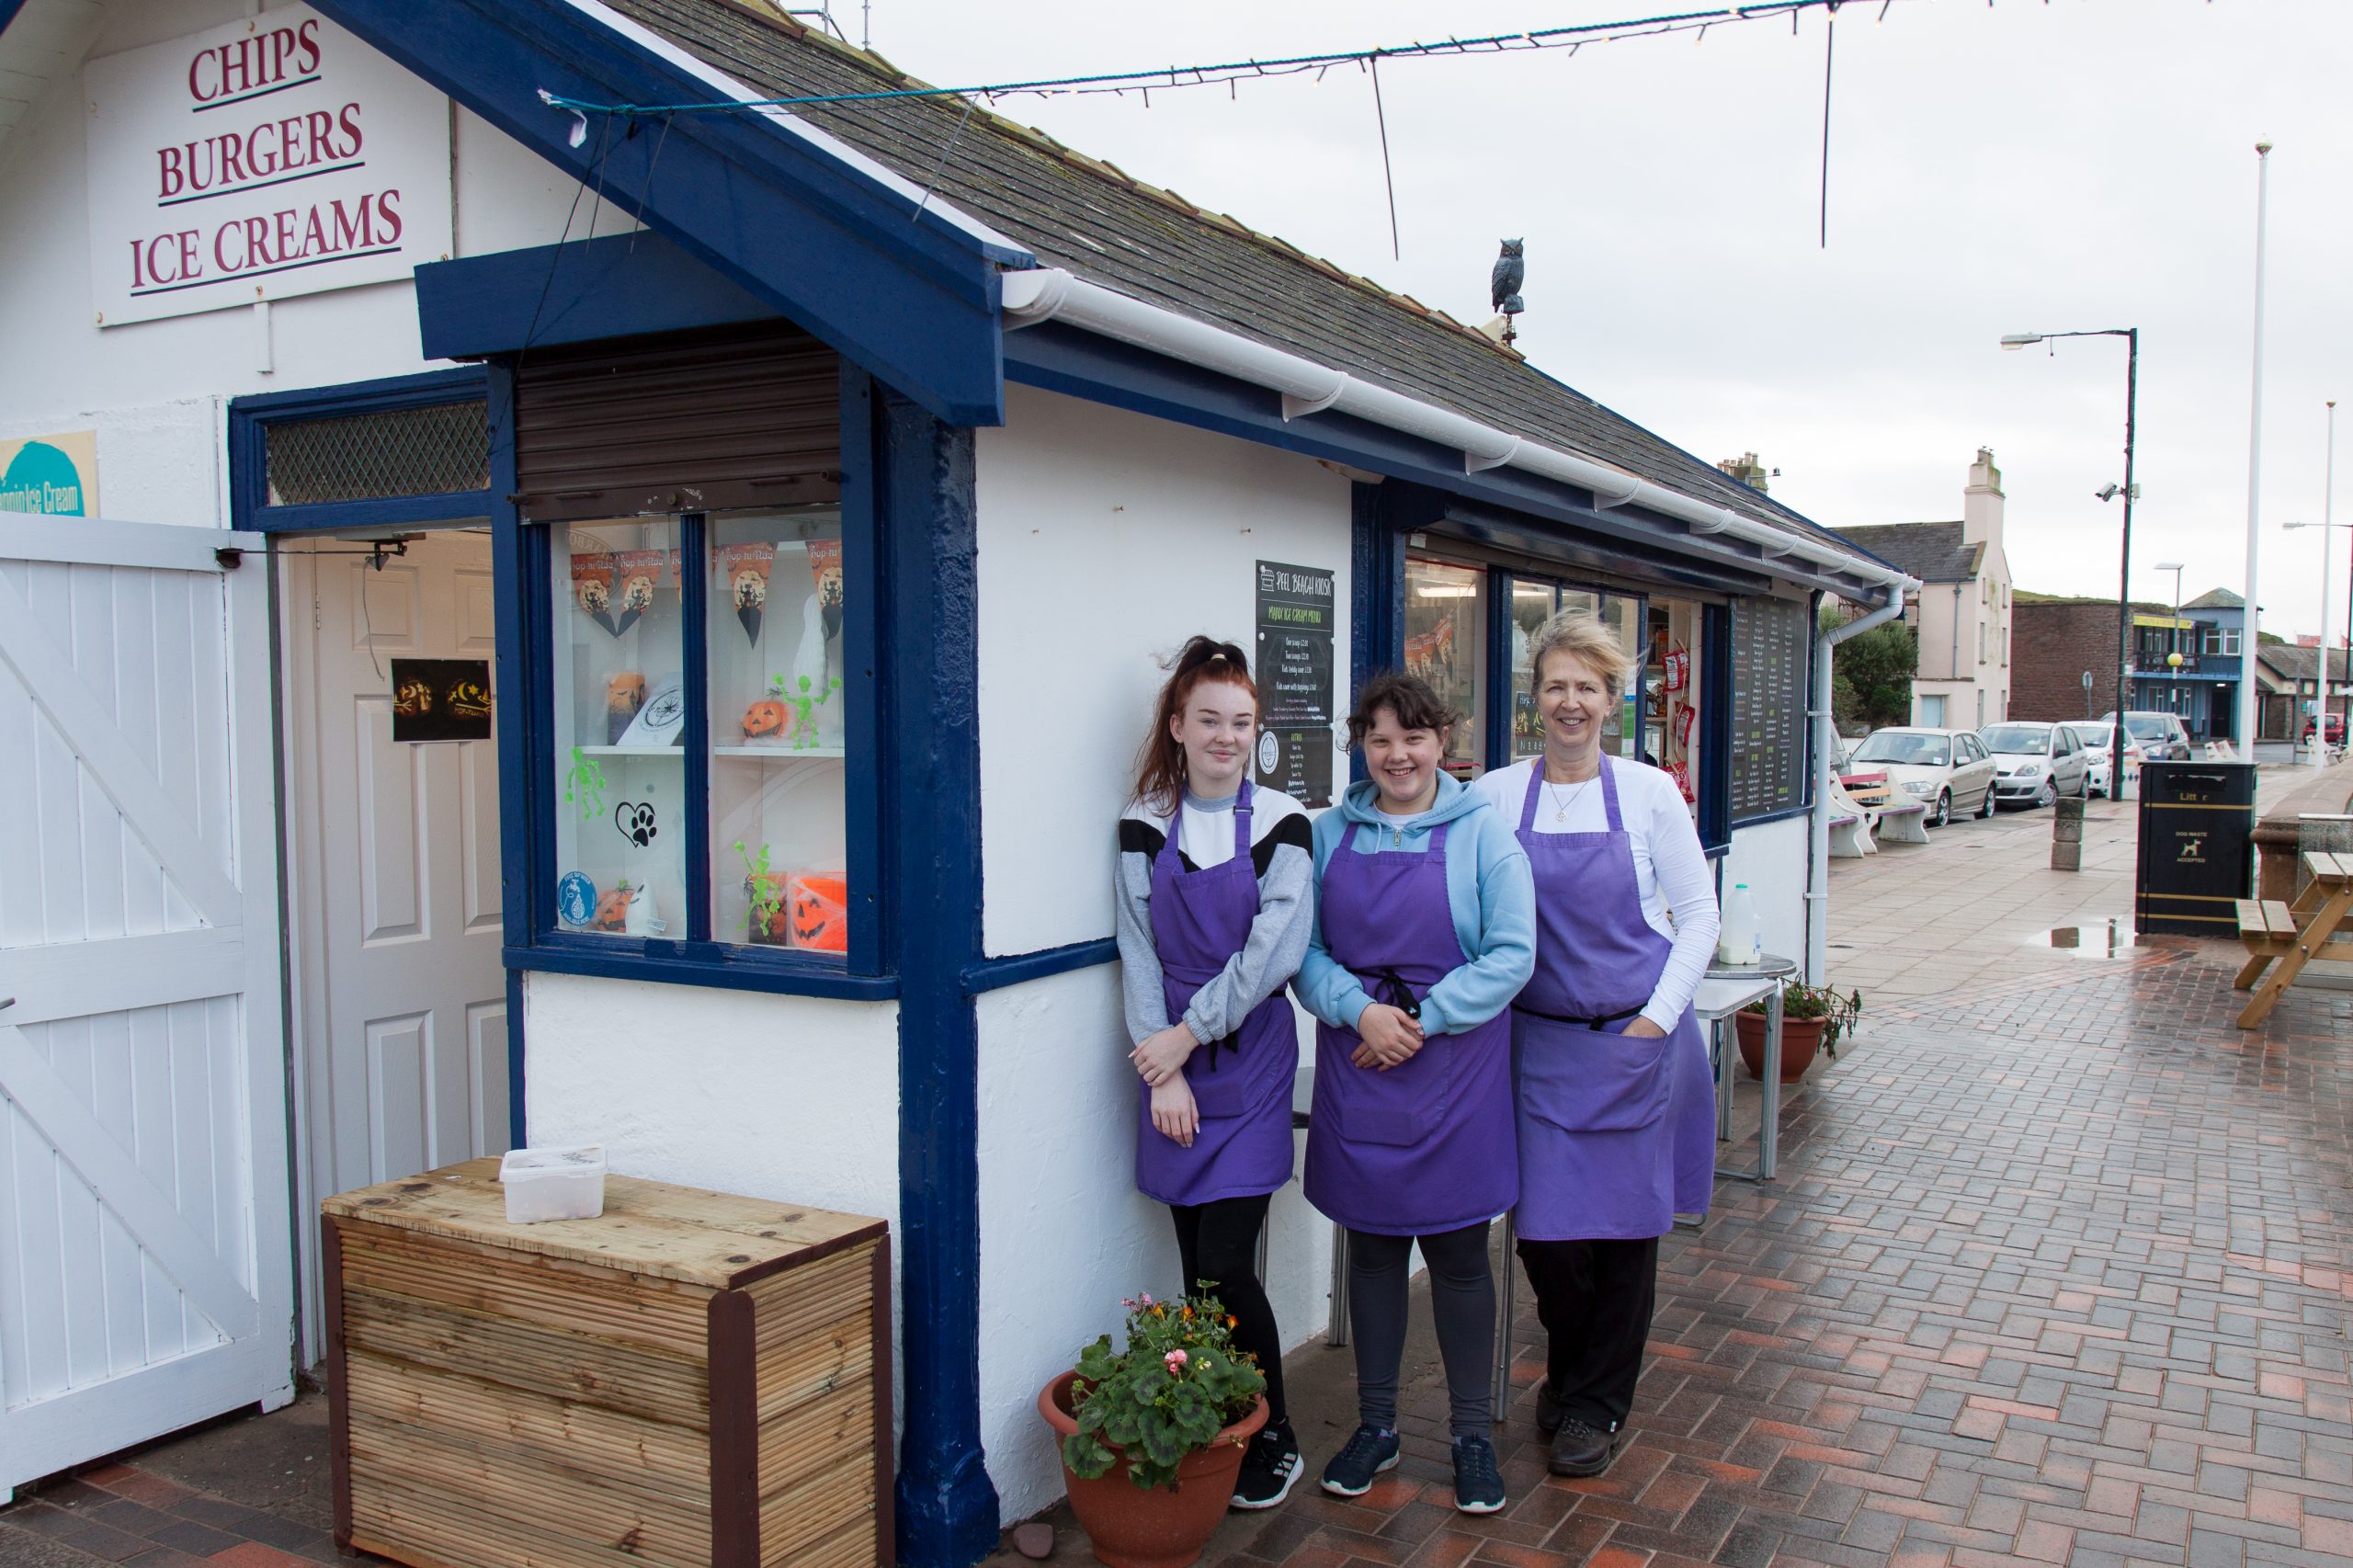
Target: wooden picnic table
<point>2294,934</point>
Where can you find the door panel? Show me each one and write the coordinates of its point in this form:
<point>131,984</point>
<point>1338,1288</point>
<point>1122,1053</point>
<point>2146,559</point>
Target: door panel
<point>143,1226</point>
<point>402,993</point>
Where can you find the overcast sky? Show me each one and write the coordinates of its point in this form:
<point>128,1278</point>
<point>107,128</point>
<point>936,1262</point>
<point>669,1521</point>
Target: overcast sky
<point>2022,166</point>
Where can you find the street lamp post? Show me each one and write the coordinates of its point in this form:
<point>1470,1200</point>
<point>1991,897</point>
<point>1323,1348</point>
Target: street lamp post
<point>2132,492</point>
<point>2247,699</point>
<point>2172,638</point>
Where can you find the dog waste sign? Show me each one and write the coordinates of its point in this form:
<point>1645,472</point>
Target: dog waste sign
<point>1297,607</point>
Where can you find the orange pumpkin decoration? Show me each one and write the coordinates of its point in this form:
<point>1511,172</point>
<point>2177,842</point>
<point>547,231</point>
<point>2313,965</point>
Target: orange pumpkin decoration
<point>765,718</point>
<point>818,907</point>
<point>612,909</point>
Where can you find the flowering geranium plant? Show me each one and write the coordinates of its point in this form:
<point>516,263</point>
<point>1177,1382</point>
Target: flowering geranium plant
<point>1178,1384</point>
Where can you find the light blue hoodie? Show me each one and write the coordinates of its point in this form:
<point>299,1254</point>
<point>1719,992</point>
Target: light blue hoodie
<point>1490,892</point>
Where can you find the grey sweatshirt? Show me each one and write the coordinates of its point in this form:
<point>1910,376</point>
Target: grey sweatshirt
<point>1281,853</point>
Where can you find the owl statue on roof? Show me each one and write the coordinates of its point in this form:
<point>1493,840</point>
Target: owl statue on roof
<point>1503,284</point>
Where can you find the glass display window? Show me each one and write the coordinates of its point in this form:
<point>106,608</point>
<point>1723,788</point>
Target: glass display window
<point>1445,645</point>
<point>778,697</point>
<point>619,712</point>
<point>1532,604</point>
<point>1672,698</point>
<point>1623,616</point>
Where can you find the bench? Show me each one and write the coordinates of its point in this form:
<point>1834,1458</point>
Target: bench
<point>1849,839</point>
<point>2294,934</point>
<point>1906,822</point>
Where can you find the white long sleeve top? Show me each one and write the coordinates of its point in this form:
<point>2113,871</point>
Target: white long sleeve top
<point>1671,872</point>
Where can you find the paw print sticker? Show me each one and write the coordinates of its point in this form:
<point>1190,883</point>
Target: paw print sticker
<point>635,823</point>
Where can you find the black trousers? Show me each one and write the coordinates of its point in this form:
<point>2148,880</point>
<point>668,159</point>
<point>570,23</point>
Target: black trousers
<point>1594,1299</point>
<point>1219,1246</point>
<point>1463,1303</point>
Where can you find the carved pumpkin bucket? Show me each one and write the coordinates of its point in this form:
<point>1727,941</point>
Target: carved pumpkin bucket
<point>817,909</point>
<point>612,909</point>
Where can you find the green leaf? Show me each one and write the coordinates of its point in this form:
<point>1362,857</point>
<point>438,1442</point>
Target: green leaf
<point>1087,1458</point>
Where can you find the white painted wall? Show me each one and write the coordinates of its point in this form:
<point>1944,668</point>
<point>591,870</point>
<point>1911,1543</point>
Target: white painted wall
<point>1064,1234</point>
<point>1770,857</point>
<point>154,391</point>
<point>1106,540</point>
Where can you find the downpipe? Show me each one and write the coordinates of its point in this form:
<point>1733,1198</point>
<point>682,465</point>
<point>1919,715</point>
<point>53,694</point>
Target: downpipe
<point>1817,855</point>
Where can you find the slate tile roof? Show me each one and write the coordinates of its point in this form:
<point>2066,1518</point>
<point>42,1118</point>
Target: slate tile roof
<point>1931,551</point>
<point>2216,598</point>
<point>2297,663</point>
<point>1085,215</point>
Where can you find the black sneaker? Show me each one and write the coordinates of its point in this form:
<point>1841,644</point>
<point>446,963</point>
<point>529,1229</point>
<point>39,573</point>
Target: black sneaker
<point>1478,1484</point>
<point>1370,1450</point>
<point>1579,1450</point>
<point>1548,1410</point>
<point>1269,1466</point>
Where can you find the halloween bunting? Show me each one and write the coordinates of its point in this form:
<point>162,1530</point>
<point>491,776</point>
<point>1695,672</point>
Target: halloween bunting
<point>592,589</point>
<point>747,566</point>
<point>637,571</point>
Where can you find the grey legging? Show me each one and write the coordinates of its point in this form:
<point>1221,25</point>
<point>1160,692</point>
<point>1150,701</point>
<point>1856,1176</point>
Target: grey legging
<point>1462,1301</point>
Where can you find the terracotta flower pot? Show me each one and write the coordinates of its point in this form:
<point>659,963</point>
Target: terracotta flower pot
<point>1800,1038</point>
<point>1131,1527</point>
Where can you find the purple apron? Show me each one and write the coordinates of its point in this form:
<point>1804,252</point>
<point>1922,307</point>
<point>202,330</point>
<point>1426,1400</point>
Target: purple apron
<point>1617,1135</point>
<point>1242,1084</point>
<point>1426,1146</point>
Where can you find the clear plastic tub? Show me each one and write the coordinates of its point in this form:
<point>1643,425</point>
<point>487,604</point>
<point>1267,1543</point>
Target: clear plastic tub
<point>554,1184</point>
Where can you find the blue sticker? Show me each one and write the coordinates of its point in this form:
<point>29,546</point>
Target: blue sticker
<point>576,899</point>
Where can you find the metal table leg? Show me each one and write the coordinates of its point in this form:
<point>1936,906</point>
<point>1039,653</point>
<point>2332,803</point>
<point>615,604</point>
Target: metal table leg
<point>1265,1229</point>
<point>1769,1136</point>
<point>1720,1056</point>
<point>1506,1293</point>
<point>1335,1329</point>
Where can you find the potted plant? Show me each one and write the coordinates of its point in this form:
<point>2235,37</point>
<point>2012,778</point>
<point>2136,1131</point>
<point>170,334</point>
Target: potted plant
<point>1812,1016</point>
<point>768,896</point>
<point>1152,1436</point>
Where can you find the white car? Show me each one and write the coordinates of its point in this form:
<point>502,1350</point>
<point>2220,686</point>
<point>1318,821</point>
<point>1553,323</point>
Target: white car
<point>2035,764</point>
<point>1947,770</point>
<point>2097,739</point>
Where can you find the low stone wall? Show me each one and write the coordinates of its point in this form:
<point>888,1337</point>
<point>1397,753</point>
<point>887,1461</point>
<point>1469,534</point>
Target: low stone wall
<point>2279,832</point>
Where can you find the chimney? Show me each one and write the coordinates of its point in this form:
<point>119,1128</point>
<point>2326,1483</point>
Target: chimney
<point>1745,469</point>
<point>1981,506</point>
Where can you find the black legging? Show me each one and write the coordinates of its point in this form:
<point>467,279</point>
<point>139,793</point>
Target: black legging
<point>1219,1246</point>
<point>1594,1300</point>
<point>1463,1303</point>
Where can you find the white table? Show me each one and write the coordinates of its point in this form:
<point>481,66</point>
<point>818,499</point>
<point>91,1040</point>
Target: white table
<point>1726,990</point>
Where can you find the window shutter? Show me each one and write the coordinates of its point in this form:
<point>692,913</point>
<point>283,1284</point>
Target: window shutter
<point>696,422</point>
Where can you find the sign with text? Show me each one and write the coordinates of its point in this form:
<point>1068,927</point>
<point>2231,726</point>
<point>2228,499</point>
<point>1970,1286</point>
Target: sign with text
<point>50,476</point>
<point>1297,611</point>
<point>271,157</point>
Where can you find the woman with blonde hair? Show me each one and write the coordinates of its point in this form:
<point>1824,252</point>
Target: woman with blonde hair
<point>1616,1108</point>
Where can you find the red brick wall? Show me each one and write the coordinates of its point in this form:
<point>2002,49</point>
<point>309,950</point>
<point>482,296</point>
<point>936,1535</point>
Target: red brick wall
<point>2050,647</point>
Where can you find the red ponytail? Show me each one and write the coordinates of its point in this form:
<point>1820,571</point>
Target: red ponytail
<point>1160,761</point>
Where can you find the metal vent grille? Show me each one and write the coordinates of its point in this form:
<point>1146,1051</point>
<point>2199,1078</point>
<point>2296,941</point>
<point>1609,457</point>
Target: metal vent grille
<point>435,450</point>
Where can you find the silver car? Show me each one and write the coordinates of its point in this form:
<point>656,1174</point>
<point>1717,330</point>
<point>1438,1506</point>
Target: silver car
<point>2035,764</point>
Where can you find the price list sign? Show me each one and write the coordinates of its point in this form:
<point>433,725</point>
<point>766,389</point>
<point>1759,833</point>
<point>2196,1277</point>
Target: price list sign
<point>1297,610</point>
<point>1769,648</point>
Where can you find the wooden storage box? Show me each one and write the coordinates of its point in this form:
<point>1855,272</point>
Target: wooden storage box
<point>690,1378</point>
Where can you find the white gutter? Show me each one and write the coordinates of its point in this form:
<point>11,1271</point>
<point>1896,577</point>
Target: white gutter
<point>1817,854</point>
<point>1040,294</point>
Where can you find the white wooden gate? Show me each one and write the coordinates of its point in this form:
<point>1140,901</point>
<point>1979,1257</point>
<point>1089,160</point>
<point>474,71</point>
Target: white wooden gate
<point>146,1278</point>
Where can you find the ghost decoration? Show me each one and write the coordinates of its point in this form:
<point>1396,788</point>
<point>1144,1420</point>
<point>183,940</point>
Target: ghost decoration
<point>809,661</point>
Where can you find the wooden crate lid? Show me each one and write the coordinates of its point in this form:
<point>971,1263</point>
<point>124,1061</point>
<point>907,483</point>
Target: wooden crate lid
<point>717,1239</point>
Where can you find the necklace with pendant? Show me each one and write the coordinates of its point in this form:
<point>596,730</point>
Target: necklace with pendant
<point>1560,803</point>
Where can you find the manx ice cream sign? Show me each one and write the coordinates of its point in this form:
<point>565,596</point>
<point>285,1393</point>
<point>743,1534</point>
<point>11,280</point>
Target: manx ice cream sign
<point>50,476</point>
<point>271,157</point>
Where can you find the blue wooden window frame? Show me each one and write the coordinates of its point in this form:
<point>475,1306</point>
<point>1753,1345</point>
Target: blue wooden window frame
<point>249,422</point>
<point>534,941</point>
<point>1499,652</point>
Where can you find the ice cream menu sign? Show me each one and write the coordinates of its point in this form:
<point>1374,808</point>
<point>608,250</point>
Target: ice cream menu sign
<point>1297,606</point>
<point>1770,650</point>
<point>275,156</point>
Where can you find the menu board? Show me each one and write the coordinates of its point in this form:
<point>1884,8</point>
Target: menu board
<point>1297,610</point>
<point>1769,649</point>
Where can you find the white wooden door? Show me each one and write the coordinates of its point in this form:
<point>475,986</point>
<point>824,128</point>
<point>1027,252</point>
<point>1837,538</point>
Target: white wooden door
<point>146,1278</point>
<point>400,995</point>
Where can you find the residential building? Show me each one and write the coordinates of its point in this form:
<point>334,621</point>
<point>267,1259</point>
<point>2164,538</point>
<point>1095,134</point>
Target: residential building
<point>1960,613</point>
<point>2289,671</point>
<point>2066,659</point>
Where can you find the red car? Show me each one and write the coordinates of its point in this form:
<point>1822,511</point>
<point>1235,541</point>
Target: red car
<point>2336,729</point>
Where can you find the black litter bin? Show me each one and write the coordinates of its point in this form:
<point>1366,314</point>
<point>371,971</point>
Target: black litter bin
<point>2197,853</point>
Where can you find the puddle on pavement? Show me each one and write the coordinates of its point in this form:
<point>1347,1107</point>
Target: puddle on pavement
<point>2113,939</point>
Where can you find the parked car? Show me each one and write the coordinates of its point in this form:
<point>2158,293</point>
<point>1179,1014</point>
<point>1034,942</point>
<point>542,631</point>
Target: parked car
<point>2159,735</point>
<point>2035,764</point>
<point>2097,739</point>
<point>2336,729</point>
<point>1948,770</point>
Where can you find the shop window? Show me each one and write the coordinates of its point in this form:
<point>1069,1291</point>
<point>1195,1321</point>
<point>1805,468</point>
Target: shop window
<point>1623,616</point>
<point>1534,601</point>
<point>437,450</point>
<point>778,697</point>
<point>1445,645</point>
<point>619,732</point>
<point>1672,677</point>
